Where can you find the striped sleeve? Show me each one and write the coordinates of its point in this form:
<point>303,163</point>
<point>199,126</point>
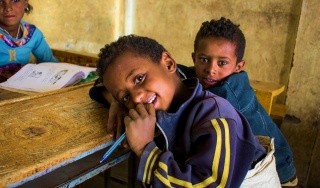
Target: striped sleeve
<point>209,161</point>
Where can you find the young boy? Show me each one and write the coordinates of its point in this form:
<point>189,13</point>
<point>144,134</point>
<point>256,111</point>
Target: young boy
<point>218,51</point>
<point>204,141</point>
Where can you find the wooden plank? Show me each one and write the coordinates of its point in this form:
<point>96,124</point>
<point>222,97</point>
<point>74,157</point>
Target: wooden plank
<point>40,131</point>
<point>265,92</point>
<point>279,110</point>
<point>273,88</point>
<point>78,58</point>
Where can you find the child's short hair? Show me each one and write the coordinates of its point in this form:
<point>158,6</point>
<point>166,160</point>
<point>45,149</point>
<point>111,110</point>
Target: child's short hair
<point>142,46</point>
<point>223,28</point>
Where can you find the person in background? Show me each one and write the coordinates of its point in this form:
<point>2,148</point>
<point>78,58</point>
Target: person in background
<point>184,136</point>
<point>219,47</point>
<point>18,39</point>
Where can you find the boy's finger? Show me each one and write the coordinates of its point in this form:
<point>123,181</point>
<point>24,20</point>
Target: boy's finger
<point>127,120</point>
<point>111,126</point>
<point>133,114</point>
<point>141,109</point>
<point>150,109</point>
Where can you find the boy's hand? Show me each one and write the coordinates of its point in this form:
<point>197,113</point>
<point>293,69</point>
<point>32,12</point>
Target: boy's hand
<point>115,126</point>
<point>140,127</point>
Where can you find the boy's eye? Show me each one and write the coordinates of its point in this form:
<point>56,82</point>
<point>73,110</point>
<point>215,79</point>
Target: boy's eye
<point>203,59</point>
<point>220,63</point>
<point>138,78</point>
<point>125,98</point>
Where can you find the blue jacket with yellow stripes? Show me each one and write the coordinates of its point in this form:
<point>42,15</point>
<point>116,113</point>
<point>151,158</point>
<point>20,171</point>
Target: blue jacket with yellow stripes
<point>205,143</point>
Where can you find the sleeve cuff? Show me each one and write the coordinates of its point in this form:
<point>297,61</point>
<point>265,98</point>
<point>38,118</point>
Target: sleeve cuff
<point>148,160</point>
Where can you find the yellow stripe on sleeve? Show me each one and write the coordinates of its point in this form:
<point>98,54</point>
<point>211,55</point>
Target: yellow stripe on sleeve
<point>226,167</point>
<point>147,164</point>
<point>152,163</point>
<point>215,162</point>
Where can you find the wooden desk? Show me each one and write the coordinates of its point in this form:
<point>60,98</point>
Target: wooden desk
<point>265,92</point>
<point>5,94</point>
<point>44,132</point>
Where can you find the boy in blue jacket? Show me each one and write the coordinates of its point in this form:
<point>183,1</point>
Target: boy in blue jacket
<point>218,51</point>
<point>201,140</point>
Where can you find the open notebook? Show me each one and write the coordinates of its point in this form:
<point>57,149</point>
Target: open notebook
<point>48,76</point>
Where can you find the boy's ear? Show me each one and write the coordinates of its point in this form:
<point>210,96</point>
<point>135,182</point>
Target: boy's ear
<point>168,62</point>
<point>240,66</point>
<point>193,55</point>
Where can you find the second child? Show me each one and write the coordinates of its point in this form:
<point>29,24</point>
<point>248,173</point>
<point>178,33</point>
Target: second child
<point>219,47</point>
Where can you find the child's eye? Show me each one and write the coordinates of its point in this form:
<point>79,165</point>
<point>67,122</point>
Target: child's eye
<point>125,98</point>
<point>138,79</point>
<point>15,1</point>
<point>203,59</point>
<point>220,63</point>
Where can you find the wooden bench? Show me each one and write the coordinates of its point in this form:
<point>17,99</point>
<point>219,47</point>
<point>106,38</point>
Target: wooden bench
<point>78,58</point>
<point>265,92</point>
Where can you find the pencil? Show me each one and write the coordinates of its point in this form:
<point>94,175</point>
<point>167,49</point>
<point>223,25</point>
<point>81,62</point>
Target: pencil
<point>113,147</point>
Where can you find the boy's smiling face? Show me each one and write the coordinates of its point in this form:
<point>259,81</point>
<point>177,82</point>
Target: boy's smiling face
<point>214,60</point>
<point>133,79</point>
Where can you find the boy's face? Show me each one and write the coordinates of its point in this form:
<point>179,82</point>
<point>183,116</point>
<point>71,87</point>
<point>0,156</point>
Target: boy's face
<point>214,60</point>
<point>133,79</point>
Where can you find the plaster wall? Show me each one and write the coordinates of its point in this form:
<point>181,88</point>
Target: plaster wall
<point>267,26</point>
<point>79,25</point>
<point>86,26</point>
<point>303,94</point>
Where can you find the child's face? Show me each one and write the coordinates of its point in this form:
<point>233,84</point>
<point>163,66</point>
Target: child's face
<point>214,60</point>
<point>133,79</point>
<point>11,12</point>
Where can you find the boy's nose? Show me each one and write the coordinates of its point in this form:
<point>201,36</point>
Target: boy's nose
<point>211,68</point>
<point>137,96</point>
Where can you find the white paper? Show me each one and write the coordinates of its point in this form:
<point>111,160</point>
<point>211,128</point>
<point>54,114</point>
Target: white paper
<point>47,76</point>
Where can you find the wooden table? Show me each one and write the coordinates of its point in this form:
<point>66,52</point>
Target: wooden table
<point>44,132</point>
<point>5,94</point>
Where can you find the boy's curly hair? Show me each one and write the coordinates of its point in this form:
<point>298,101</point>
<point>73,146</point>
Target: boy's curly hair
<point>223,28</point>
<point>142,46</point>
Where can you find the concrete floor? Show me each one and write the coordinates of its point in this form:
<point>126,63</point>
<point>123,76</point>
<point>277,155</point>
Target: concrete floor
<point>304,141</point>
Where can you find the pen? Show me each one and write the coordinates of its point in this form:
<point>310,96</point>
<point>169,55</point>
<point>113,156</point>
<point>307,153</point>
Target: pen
<point>113,147</point>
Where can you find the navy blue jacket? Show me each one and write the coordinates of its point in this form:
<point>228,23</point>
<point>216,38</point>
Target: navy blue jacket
<point>205,143</point>
<point>208,143</point>
<point>237,90</point>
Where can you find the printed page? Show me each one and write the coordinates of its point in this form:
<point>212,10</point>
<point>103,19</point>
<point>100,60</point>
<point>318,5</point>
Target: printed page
<point>47,76</point>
